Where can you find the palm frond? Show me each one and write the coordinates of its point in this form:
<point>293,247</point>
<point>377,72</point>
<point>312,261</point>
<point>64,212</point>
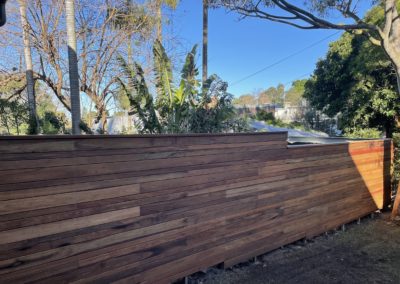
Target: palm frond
<point>189,70</point>
<point>128,72</point>
<point>139,96</point>
<point>180,96</point>
<point>189,75</point>
<point>163,73</point>
<point>215,86</point>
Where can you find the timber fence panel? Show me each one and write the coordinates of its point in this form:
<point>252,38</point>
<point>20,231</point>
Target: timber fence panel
<point>150,209</point>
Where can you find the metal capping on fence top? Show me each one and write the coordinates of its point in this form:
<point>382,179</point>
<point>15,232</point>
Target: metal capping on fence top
<point>326,140</point>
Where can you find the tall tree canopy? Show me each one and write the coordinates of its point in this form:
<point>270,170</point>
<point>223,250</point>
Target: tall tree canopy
<point>356,80</point>
<point>294,96</point>
<point>276,94</point>
<point>271,95</point>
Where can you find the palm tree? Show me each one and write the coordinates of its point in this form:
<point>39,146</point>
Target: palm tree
<point>73,67</point>
<point>130,18</point>
<point>30,83</point>
<point>205,42</point>
<point>170,3</point>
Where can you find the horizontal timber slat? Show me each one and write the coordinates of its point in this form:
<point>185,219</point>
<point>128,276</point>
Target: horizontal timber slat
<point>151,209</point>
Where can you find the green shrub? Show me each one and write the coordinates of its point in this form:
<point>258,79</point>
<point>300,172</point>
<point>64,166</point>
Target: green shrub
<point>264,115</point>
<point>362,133</point>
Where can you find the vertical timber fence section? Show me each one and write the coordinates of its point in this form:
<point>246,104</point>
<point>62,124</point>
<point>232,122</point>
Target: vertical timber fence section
<point>152,209</point>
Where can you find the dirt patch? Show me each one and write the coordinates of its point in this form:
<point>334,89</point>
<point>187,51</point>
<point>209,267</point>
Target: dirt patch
<point>365,253</point>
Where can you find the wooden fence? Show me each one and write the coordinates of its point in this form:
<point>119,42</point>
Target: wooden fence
<point>152,209</point>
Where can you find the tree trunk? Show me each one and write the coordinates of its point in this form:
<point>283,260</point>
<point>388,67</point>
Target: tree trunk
<point>30,83</point>
<point>103,121</point>
<point>159,20</point>
<point>391,37</point>
<point>130,53</point>
<point>391,44</point>
<point>393,52</point>
<point>73,67</point>
<point>395,210</point>
<point>101,118</point>
<point>398,79</point>
<point>205,42</point>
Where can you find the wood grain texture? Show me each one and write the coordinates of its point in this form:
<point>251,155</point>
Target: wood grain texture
<point>151,209</point>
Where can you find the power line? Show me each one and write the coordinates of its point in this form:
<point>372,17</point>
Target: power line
<point>284,59</point>
<point>298,78</point>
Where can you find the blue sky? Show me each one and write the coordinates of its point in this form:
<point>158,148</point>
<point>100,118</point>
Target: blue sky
<point>239,48</point>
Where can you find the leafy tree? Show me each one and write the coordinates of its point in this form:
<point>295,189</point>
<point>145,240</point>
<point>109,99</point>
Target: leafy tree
<point>51,121</point>
<point>14,117</point>
<point>294,95</point>
<point>272,95</point>
<point>15,108</point>
<point>280,93</point>
<point>263,98</point>
<point>14,111</point>
<point>54,123</point>
<point>245,100</point>
<point>356,80</point>
<point>12,85</point>
<point>275,94</point>
<point>314,14</point>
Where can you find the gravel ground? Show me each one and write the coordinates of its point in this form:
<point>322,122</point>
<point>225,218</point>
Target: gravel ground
<point>365,253</point>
